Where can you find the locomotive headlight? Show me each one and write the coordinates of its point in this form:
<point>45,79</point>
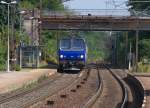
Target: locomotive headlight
<point>82,56</point>
<point>61,56</point>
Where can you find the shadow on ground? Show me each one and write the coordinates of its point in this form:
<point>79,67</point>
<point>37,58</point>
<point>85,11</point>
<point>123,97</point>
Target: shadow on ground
<point>71,72</point>
<point>50,66</point>
<point>54,66</point>
<point>147,92</point>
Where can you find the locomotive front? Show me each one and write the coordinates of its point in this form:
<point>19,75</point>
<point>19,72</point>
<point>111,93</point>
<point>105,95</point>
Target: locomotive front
<point>71,54</point>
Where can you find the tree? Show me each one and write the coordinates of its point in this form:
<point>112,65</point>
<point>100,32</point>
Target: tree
<point>46,4</point>
<point>139,5</point>
<point>144,36</point>
<point>144,46</point>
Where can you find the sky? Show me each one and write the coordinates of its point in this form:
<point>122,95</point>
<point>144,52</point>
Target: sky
<point>99,4</point>
<point>94,4</point>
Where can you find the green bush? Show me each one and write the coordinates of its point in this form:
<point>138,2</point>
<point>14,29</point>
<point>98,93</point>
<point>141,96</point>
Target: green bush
<point>2,67</point>
<point>142,67</point>
<point>17,68</point>
<point>144,49</point>
<point>51,60</point>
<point>3,58</point>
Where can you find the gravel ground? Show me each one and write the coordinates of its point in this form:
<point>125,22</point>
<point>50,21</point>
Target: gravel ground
<point>58,84</point>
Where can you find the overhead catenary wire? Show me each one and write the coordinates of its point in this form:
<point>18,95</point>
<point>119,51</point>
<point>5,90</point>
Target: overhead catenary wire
<point>116,4</point>
<point>141,1</point>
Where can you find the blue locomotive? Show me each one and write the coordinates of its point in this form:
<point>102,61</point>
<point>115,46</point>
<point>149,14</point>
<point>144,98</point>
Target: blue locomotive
<point>72,54</point>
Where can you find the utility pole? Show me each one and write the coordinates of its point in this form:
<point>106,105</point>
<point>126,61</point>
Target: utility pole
<point>126,48</point>
<point>21,13</point>
<point>8,44</point>
<point>40,26</point>
<point>20,41</point>
<point>130,57</point>
<point>12,40</point>
<point>32,27</point>
<point>137,39</point>
<point>116,48</point>
<point>136,57</point>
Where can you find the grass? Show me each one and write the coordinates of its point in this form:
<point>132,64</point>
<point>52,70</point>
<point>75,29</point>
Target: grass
<point>2,67</point>
<point>43,64</point>
<point>34,83</point>
<point>143,67</point>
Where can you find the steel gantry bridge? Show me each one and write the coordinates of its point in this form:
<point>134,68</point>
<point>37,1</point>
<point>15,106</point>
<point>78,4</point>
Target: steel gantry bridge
<point>95,20</point>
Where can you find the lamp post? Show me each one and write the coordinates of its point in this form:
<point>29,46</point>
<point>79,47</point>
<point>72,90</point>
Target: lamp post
<point>21,13</point>
<point>8,45</point>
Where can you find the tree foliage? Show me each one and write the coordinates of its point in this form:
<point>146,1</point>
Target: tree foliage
<point>144,47</point>
<point>139,5</point>
<point>46,4</point>
<point>97,45</point>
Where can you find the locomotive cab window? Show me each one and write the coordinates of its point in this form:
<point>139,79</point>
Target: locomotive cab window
<point>72,44</point>
<point>78,44</point>
<point>65,44</point>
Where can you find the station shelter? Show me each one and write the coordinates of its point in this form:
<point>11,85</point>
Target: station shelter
<point>29,56</point>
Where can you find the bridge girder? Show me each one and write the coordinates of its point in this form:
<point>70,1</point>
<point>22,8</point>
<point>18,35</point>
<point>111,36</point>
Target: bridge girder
<point>95,23</point>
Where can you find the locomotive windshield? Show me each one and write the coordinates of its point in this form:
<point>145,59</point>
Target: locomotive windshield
<point>65,44</point>
<point>72,44</point>
<point>77,44</point>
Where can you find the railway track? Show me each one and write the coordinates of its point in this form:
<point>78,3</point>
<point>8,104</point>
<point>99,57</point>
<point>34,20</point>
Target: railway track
<point>97,86</point>
<point>24,98</point>
<point>120,90</point>
<point>18,93</point>
<point>112,92</point>
<point>80,94</point>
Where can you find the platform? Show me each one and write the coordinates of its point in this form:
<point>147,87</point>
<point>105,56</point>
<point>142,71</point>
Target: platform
<point>13,80</point>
